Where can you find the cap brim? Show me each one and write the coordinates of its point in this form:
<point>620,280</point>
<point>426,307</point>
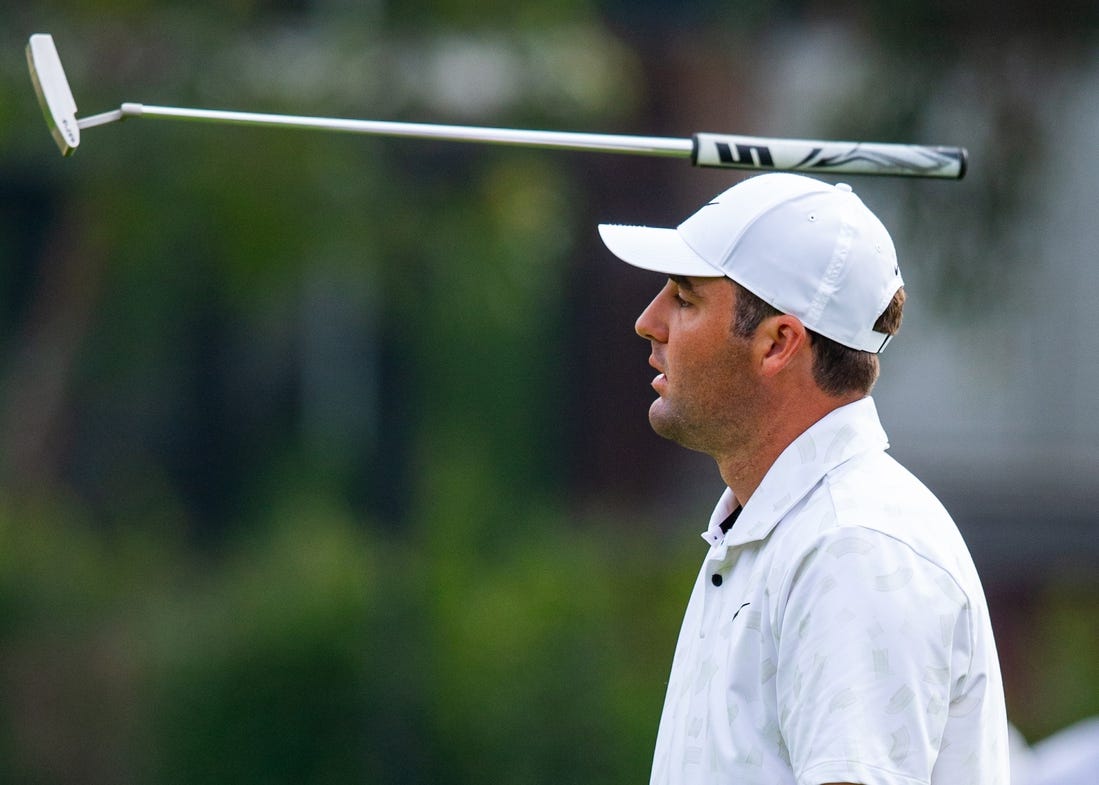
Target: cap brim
<point>659,250</point>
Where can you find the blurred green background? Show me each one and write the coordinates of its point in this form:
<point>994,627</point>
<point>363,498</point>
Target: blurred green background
<point>324,459</point>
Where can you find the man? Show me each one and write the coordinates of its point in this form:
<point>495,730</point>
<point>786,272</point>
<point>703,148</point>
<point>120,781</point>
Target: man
<point>837,632</point>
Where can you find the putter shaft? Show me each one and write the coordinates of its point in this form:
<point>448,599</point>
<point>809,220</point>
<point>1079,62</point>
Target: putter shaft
<point>559,140</point>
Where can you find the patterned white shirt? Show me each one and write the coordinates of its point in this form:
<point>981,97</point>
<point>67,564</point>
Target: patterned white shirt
<point>838,632</point>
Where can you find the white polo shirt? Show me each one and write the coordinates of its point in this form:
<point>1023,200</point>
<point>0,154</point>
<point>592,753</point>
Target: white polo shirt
<point>837,633</point>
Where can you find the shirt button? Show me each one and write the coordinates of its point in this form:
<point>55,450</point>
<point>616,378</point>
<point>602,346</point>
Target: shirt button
<point>715,579</point>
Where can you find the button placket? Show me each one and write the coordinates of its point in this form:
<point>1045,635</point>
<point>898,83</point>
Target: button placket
<point>712,599</point>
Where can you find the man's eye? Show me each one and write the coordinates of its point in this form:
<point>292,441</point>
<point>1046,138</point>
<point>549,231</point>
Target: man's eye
<point>680,301</point>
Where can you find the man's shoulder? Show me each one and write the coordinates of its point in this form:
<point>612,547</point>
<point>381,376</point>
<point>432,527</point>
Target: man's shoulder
<point>875,494</point>
<point>873,483</point>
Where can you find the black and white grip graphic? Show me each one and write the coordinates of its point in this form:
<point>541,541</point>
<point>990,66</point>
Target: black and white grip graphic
<point>803,155</point>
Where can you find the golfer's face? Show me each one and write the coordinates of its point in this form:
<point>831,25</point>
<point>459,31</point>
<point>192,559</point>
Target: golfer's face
<point>704,371</point>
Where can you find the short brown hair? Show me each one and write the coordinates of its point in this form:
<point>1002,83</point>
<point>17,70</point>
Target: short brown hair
<point>837,369</point>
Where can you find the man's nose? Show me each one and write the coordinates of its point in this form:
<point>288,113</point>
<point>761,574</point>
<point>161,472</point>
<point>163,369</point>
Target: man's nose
<point>650,325</point>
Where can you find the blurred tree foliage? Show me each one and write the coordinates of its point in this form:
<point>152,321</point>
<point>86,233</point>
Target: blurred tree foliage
<point>282,472</point>
<point>313,649</point>
<point>286,417</point>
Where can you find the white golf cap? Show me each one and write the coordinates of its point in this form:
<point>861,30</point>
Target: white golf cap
<point>809,248</point>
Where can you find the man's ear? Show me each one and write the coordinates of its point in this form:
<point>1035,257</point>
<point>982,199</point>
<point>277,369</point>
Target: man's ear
<point>782,339</point>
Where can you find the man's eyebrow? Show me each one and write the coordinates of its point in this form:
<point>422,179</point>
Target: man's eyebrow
<point>683,282</point>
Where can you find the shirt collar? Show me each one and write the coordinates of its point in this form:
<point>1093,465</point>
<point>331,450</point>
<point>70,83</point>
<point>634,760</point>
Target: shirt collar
<point>837,437</point>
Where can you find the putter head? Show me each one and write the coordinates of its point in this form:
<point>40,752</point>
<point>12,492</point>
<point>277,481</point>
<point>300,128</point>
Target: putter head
<point>54,95</point>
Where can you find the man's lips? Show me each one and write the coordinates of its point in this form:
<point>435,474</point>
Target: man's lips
<point>660,381</point>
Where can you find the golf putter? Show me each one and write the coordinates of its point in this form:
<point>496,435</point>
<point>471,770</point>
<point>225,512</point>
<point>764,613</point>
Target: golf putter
<point>702,149</point>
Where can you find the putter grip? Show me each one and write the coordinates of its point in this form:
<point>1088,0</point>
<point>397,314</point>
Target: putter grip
<point>804,155</point>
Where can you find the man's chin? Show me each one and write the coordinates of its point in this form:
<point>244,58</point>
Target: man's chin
<point>674,427</point>
<point>665,423</point>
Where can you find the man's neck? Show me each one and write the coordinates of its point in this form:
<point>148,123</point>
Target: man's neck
<point>743,469</point>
